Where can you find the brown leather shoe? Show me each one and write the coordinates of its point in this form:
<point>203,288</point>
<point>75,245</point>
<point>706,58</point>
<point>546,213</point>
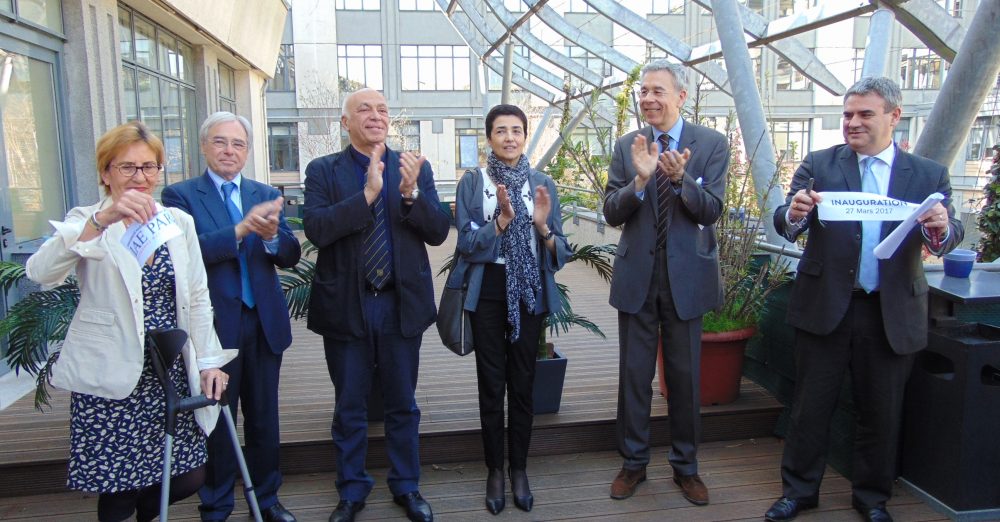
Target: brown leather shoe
<point>693,488</point>
<point>625,483</point>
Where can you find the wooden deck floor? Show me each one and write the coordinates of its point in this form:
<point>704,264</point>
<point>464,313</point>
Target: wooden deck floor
<point>742,477</point>
<point>571,467</point>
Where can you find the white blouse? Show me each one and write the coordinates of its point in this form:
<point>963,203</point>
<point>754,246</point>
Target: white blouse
<point>490,206</point>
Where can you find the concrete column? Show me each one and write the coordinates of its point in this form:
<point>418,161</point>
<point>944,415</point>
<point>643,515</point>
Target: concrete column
<point>749,111</point>
<point>877,46</point>
<point>92,64</point>
<point>250,105</point>
<point>972,75</point>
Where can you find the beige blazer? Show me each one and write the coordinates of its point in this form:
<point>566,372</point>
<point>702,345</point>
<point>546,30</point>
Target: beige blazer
<point>103,351</point>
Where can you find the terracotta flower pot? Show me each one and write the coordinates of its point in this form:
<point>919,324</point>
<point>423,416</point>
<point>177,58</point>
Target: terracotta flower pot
<point>721,365</point>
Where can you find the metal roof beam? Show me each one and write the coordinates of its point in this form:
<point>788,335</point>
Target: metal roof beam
<point>797,54</point>
<point>570,32</point>
<point>540,48</point>
<point>515,25</point>
<point>624,17</point>
<point>478,46</point>
<point>931,23</point>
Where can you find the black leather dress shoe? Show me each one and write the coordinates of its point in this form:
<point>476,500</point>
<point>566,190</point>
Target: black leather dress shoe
<point>875,514</point>
<point>346,511</point>
<point>787,509</point>
<point>417,509</point>
<point>277,513</point>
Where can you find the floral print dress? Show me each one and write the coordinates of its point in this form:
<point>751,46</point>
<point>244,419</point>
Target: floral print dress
<point>117,445</point>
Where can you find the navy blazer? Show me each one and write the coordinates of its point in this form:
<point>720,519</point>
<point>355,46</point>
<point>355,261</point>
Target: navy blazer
<point>827,272</point>
<point>217,236</point>
<point>336,215</point>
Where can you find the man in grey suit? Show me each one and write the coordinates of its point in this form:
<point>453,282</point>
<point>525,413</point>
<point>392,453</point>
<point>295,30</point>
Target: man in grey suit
<point>854,314</point>
<point>665,187</point>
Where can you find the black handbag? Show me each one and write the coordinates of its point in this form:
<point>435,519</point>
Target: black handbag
<point>453,322</point>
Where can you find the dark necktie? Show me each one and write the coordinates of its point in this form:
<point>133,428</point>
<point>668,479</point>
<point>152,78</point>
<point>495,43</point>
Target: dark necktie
<point>663,189</point>
<point>235,215</point>
<point>376,249</point>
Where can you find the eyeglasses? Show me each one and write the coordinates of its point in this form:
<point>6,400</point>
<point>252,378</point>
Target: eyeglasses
<point>222,143</point>
<point>131,169</point>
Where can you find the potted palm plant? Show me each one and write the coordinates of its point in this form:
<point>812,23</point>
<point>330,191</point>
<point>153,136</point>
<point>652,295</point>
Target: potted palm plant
<point>748,279</point>
<point>550,365</point>
<point>35,326</point>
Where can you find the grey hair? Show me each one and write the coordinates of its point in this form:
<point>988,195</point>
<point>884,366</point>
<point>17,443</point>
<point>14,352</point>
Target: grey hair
<point>224,117</point>
<point>678,71</point>
<point>887,89</point>
<point>343,106</point>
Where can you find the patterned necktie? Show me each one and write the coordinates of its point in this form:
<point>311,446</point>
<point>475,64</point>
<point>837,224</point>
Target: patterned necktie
<point>871,232</point>
<point>663,189</point>
<point>235,215</point>
<point>376,249</point>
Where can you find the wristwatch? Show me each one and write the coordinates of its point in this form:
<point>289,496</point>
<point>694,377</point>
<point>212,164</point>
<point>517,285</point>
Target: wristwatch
<point>413,195</point>
<point>548,235</point>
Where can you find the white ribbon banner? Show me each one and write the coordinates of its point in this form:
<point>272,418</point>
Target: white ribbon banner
<point>142,239</point>
<point>862,206</point>
<point>888,246</point>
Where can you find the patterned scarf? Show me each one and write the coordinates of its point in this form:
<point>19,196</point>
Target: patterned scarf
<point>523,280</point>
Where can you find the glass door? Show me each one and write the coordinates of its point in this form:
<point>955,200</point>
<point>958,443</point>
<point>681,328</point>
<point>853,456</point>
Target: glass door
<point>32,181</point>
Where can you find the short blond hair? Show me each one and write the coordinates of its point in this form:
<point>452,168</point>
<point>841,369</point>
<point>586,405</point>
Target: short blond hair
<point>116,140</point>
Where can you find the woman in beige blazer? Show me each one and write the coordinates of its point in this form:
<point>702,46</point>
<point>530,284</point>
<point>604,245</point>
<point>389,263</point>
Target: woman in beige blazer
<point>117,406</point>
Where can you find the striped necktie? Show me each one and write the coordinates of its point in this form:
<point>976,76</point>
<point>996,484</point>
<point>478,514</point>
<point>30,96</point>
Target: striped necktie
<point>375,251</point>
<point>235,215</point>
<point>663,189</point>
<point>871,232</point>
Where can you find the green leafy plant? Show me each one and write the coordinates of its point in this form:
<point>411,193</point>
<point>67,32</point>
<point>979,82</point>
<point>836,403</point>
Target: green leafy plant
<point>746,284</point>
<point>35,326</point>
<point>296,282</point>
<point>989,215</point>
<point>595,256</point>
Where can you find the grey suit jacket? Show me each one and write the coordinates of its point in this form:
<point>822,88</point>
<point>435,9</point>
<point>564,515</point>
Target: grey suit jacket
<point>692,251</point>
<point>828,269</point>
<point>479,244</point>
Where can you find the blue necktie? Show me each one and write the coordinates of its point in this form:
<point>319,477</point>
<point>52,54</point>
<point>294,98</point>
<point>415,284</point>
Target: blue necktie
<point>235,215</point>
<point>871,232</point>
<point>376,249</point>
<point>663,189</point>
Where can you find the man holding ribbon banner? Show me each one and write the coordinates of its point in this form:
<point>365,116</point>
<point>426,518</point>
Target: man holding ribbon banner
<point>851,311</point>
<point>243,237</point>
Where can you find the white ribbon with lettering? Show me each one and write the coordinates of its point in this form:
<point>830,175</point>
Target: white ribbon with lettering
<point>888,246</point>
<point>862,206</point>
<point>142,239</point>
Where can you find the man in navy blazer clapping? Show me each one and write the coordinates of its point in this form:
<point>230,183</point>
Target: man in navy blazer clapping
<point>243,237</point>
<point>371,211</point>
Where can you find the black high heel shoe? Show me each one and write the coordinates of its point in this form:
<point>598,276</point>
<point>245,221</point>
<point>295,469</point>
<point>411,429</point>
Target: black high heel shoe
<point>520,489</point>
<point>495,500</point>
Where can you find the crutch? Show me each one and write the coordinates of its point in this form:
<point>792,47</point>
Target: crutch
<point>165,345</point>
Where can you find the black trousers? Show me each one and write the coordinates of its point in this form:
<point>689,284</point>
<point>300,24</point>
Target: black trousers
<point>504,365</point>
<point>878,379</point>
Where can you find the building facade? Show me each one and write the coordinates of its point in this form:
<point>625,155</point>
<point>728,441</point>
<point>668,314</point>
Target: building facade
<point>439,90</point>
<point>72,69</point>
